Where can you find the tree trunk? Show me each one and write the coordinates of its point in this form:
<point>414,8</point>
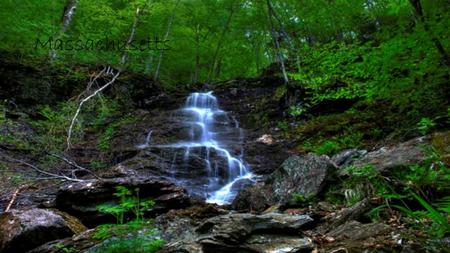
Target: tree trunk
<point>169,26</point>
<point>130,38</point>
<point>197,54</point>
<point>69,12</point>
<point>276,43</point>
<point>220,42</point>
<point>417,5</point>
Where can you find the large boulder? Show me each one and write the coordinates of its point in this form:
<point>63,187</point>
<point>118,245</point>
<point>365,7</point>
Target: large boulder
<point>22,230</point>
<point>254,198</point>
<point>304,175</point>
<point>82,198</point>
<point>404,154</point>
<point>244,232</point>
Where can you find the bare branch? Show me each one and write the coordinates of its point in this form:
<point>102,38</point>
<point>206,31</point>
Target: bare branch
<point>93,79</point>
<point>75,165</point>
<point>80,105</point>
<point>51,175</point>
<point>13,198</point>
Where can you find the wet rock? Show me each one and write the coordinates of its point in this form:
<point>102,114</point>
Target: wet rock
<point>244,232</point>
<point>264,159</point>
<point>356,231</point>
<point>242,224</point>
<point>350,213</point>
<point>441,143</point>
<point>22,230</point>
<point>81,199</point>
<point>387,158</point>
<point>346,157</point>
<point>254,198</point>
<point>279,244</point>
<point>78,243</point>
<point>304,175</point>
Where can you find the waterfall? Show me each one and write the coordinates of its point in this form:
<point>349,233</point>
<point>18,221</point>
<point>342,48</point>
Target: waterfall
<point>211,131</point>
<point>146,144</point>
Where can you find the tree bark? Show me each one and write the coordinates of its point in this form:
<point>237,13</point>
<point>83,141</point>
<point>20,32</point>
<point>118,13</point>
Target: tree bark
<point>130,38</point>
<point>220,42</point>
<point>276,42</point>
<point>197,54</point>
<point>417,5</point>
<point>169,26</point>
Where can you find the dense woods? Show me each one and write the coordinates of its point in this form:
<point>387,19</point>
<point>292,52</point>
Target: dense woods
<point>323,125</point>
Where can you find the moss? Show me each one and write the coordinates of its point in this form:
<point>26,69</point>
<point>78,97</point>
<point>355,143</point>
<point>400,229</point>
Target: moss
<point>73,223</point>
<point>441,143</point>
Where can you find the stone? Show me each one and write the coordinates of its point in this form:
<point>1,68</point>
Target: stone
<point>241,232</point>
<point>266,139</point>
<point>81,198</point>
<point>254,198</point>
<point>279,244</point>
<point>346,157</point>
<point>356,231</point>
<point>304,175</point>
<point>388,158</point>
<point>23,230</point>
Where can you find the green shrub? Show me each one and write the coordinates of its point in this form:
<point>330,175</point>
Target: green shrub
<point>300,199</point>
<point>327,147</point>
<point>128,203</point>
<point>135,236</point>
<point>104,142</point>
<point>283,125</point>
<point>137,244</point>
<point>425,125</point>
<point>52,129</point>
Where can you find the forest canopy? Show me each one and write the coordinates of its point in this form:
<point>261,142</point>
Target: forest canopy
<point>392,50</point>
<point>221,39</point>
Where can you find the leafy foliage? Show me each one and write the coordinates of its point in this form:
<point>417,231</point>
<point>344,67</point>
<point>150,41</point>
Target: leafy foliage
<point>412,188</point>
<point>128,202</point>
<point>134,236</point>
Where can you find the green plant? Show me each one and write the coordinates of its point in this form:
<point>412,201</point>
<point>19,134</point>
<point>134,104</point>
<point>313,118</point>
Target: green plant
<point>134,236</point>
<point>296,110</point>
<point>441,224</point>
<point>283,125</point>
<point>105,231</point>
<point>104,142</point>
<point>327,147</point>
<point>52,128</point>
<point>138,244</point>
<point>300,199</point>
<point>425,125</point>
<point>95,164</point>
<point>65,249</point>
<point>127,203</point>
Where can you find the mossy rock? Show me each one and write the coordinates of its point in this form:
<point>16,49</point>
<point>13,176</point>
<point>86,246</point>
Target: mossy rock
<point>441,142</point>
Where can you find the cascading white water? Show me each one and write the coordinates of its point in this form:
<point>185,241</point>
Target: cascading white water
<point>205,132</point>
<point>147,141</point>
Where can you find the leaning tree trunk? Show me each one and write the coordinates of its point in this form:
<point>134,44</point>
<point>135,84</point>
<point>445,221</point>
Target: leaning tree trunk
<point>69,12</point>
<point>130,38</point>
<point>417,5</point>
